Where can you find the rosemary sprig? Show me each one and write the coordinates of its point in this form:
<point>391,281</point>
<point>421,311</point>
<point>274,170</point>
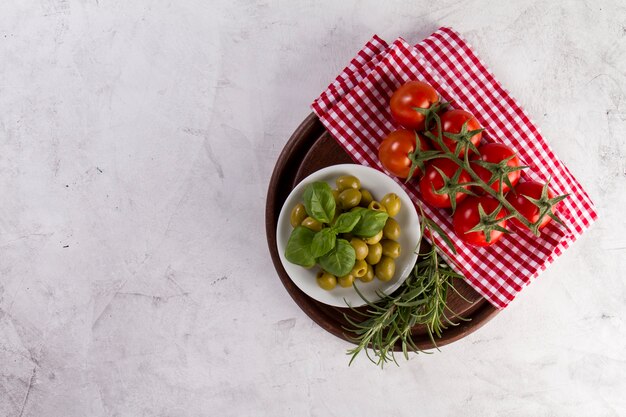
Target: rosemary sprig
<point>421,300</point>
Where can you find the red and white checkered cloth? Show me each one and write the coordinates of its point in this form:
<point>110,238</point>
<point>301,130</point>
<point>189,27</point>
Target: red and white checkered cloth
<point>355,110</point>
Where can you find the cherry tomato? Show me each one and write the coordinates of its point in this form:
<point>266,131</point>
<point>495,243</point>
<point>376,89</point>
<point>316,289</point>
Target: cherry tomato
<point>451,122</point>
<point>433,179</point>
<point>394,151</point>
<point>495,153</point>
<point>406,98</point>
<point>526,208</point>
<point>467,216</point>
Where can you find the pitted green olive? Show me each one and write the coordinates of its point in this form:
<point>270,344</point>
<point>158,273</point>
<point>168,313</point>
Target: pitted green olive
<point>326,281</point>
<point>391,229</point>
<point>346,280</point>
<point>348,181</point>
<point>385,269</point>
<point>391,248</point>
<point>369,274</point>
<point>375,205</point>
<point>298,213</point>
<point>360,268</point>
<point>374,253</point>
<point>349,198</point>
<point>366,198</point>
<point>392,203</point>
<point>360,248</point>
<point>311,223</point>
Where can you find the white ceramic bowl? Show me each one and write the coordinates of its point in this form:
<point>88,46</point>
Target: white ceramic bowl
<point>378,184</point>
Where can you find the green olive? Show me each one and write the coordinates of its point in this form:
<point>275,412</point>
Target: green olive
<point>391,248</point>
<point>374,253</point>
<point>375,205</point>
<point>349,198</point>
<point>336,195</point>
<point>298,213</point>
<point>311,223</point>
<point>392,203</point>
<point>360,248</point>
<point>369,275</point>
<point>374,239</point>
<point>346,280</point>
<point>385,269</point>
<point>326,281</point>
<point>360,268</point>
<point>348,181</point>
<point>391,229</point>
<point>366,198</point>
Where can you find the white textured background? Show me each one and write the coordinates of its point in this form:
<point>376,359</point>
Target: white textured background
<point>137,139</point>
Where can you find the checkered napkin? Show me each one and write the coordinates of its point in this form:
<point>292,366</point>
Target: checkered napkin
<point>355,110</point>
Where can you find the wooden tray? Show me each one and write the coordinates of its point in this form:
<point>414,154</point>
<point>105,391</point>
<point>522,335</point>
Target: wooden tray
<point>309,149</point>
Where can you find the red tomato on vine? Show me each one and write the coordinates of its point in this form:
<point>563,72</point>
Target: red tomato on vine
<point>396,152</point>
<point>432,181</point>
<point>503,161</point>
<point>409,97</point>
<point>479,211</point>
<point>459,127</point>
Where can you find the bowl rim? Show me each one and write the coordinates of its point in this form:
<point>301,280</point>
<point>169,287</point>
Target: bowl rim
<point>342,297</point>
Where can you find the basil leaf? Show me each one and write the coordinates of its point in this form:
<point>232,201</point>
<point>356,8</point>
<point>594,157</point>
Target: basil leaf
<point>340,260</point>
<point>298,250</point>
<point>371,222</point>
<point>346,221</point>
<point>319,201</point>
<point>323,242</point>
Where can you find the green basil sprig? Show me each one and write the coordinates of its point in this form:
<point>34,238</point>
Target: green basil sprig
<point>335,255</point>
<point>298,250</point>
<point>319,201</point>
<point>340,260</point>
<point>346,222</point>
<point>370,223</point>
<point>323,242</point>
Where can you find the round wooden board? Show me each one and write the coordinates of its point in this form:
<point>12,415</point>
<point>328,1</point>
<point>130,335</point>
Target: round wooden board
<point>309,149</point>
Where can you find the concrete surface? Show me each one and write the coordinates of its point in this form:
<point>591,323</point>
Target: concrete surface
<point>137,139</point>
